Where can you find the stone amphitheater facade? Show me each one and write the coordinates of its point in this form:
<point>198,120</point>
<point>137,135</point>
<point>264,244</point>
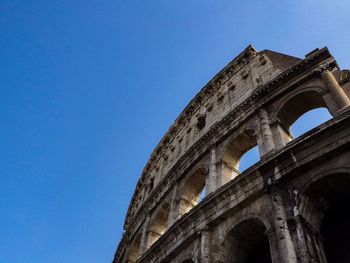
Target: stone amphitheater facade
<point>291,206</point>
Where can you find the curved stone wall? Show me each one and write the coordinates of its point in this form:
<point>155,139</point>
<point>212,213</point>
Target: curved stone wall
<point>192,202</point>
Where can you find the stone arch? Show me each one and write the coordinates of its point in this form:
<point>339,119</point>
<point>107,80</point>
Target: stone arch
<point>317,177</point>
<point>134,249</point>
<point>191,190</point>
<point>235,148</point>
<point>236,220</point>
<point>325,217</point>
<point>298,104</point>
<point>247,242</point>
<point>159,224</point>
<point>292,107</point>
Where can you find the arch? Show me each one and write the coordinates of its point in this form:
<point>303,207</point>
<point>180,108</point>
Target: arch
<point>134,250</point>
<point>228,227</point>
<point>315,89</point>
<point>309,197</point>
<point>318,177</point>
<point>324,209</point>
<point>309,120</point>
<point>291,108</point>
<point>249,158</point>
<point>192,189</point>
<point>299,104</point>
<point>159,224</point>
<point>247,242</point>
<point>233,152</point>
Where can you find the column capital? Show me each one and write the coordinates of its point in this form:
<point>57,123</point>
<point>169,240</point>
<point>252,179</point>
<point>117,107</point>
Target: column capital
<point>212,145</point>
<point>326,66</point>
<point>205,228</point>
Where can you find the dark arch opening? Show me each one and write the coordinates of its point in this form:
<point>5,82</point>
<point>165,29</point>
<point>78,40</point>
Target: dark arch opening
<point>336,231</point>
<point>260,252</point>
<point>335,228</point>
<point>328,211</point>
<point>247,243</point>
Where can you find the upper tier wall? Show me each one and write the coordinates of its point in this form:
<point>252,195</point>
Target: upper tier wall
<point>228,89</point>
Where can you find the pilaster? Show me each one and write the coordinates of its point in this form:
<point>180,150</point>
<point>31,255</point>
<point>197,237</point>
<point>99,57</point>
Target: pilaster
<point>144,238</point>
<point>267,144</point>
<point>205,245</point>
<point>211,184</point>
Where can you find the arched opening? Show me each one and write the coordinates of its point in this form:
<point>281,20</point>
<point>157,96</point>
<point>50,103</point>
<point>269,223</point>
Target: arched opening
<point>260,252</point>
<point>202,195</point>
<point>329,214</point>
<point>309,120</point>
<point>134,251</point>
<point>336,230</point>
<point>247,243</point>
<point>249,158</point>
<point>238,147</point>
<point>300,110</point>
<point>188,261</point>
<point>193,191</point>
<point>159,224</point>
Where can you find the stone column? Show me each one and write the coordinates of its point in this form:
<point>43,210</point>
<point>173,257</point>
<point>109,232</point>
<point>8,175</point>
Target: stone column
<point>205,245</point>
<point>211,184</point>
<point>303,255</point>
<point>271,236</point>
<point>268,143</point>
<point>144,238</point>
<point>281,135</point>
<point>285,244</point>
<point>174,207</point>
<point>338,94</point>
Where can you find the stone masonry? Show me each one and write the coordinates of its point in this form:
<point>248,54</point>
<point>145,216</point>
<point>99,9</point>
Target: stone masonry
<point>292,206</point>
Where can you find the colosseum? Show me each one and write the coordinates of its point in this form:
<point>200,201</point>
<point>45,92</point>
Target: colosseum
<point>193,204</point>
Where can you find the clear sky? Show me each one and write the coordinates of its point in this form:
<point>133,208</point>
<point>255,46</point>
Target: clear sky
<point>88,88</point>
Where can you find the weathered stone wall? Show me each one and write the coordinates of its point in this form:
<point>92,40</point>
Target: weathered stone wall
<point>252,102</point>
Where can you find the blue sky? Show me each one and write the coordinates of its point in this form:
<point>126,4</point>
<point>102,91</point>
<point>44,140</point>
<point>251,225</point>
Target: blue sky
<point>88,88</point>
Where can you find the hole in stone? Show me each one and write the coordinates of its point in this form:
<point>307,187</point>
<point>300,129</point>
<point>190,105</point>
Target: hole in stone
<point>309,120</point>
<point>202,195</point>
<point>249,158</point>
<point>260,252</point>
